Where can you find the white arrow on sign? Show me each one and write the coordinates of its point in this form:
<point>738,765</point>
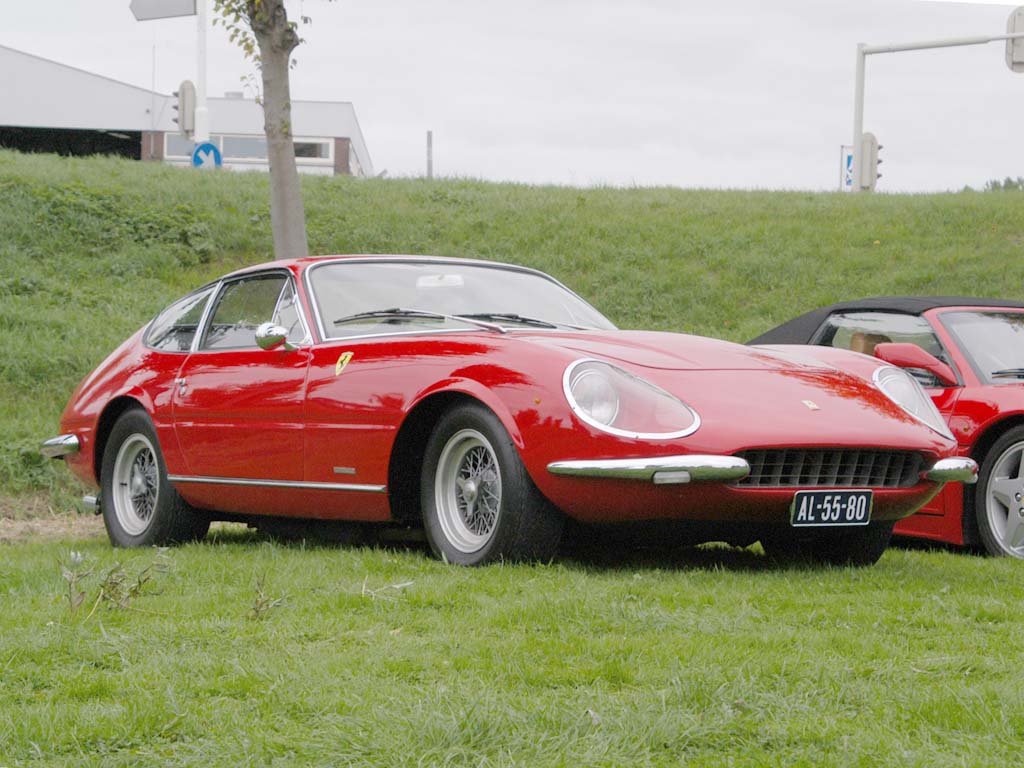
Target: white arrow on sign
<point>147,10</point>
<point>207,159</point>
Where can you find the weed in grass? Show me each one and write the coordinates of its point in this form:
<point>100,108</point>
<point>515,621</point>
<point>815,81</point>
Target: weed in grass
<point>263,603</point>
<point>74,573</point>
<point>117,588</point>
<point>387,592</point>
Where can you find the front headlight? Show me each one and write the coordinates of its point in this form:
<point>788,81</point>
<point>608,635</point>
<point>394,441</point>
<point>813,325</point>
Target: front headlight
<point>615,401</point>
<point>904,390</point>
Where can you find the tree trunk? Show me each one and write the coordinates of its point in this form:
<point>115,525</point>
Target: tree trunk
<point>277,39</point>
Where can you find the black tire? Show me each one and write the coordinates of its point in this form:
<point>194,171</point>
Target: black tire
<point>996,502</point>
<point>860,546</point>
<point>479,503</point>
<point>140,506</point>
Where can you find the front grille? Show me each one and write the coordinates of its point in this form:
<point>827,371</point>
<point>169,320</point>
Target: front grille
<point>830,468</point>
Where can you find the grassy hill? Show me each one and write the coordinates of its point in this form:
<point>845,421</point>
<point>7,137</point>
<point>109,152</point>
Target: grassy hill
<point>92,248</point>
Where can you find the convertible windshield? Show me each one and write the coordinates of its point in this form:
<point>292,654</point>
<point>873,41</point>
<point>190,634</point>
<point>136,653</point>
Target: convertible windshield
<point>992,341</point>
<point>360,298</point>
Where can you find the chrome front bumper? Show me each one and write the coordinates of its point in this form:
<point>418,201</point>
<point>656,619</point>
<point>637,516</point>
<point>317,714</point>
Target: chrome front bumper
<point>674,470</point>
<point>956,470</point>
<point>661,470</point>
<point>59,447</point>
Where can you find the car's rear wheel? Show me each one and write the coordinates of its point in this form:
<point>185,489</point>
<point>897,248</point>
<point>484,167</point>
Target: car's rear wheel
<point>999,496</point>
<point>859,546</point>
<point>479,503</point>
<point>140,507</point>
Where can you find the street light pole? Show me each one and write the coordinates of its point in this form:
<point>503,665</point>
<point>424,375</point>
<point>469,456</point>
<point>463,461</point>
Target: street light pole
<point>858,116</point>
<point>864,51</point>
<point>202,130</point>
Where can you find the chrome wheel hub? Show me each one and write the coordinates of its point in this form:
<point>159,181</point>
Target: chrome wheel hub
<point>136,485</point>
<point>467,490</point>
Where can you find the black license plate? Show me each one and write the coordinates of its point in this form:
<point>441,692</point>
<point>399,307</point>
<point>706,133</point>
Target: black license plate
<point>828,508</point>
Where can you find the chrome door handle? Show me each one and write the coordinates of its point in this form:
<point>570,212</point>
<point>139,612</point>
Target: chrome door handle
<point>182,385</point>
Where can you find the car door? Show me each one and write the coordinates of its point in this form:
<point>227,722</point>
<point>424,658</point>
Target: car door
<point>238,409</point>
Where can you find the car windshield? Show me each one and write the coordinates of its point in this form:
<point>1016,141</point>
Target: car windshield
<point>993,342</point>
<point>358,298</point>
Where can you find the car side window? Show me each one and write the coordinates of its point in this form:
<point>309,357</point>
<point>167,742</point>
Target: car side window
<point>242,306</point>
<point>863,331</point>
<point>174,329</point>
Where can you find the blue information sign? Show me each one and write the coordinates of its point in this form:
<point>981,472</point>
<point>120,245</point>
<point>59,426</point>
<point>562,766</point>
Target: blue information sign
<point>206,155</point>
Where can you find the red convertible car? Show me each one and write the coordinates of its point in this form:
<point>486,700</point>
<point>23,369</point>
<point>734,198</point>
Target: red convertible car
<point>487,402</point>
<point>969,355</point>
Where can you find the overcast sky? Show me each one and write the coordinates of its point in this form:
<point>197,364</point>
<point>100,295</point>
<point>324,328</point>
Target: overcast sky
<point>688,93</point>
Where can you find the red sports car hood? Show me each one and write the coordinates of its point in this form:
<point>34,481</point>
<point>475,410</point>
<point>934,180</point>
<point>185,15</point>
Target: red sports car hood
<point>678,352</point>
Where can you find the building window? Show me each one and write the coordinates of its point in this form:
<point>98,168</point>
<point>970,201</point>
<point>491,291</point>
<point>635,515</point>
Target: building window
<point>245,147</point>
<point>177,145</point>
<point>317,149</point>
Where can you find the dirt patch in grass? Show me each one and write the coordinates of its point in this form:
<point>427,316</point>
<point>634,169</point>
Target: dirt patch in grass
<point>33,517</point>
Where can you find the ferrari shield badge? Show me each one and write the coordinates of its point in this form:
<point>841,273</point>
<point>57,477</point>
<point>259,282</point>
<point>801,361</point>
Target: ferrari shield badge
<point>811,405</point>
<point>342,362</point>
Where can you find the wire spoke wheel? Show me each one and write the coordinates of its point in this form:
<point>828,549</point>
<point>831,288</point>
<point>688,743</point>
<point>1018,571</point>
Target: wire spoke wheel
<point>478,502</point>
<point>136,484</point>
<point>468,490</point>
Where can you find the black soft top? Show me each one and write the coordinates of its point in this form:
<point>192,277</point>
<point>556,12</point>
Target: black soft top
<point>800,329</point>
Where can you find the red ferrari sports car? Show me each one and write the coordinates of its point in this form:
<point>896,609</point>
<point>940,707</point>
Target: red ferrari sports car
<point>969,356</point>
<point>487,402</point>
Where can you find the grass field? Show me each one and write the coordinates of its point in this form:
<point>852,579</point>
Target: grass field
<point>239,651</point>
<point>385,657</point>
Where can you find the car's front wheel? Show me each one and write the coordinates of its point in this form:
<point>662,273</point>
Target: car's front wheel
<point>479,503</point>
<point>859,546</point>
<point>140,506</point>
<point>999,496</point>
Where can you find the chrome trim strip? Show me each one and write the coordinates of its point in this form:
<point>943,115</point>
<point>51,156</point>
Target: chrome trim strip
<point>585,417</point>
<point>205,319</point>
<point>298,484</point>
<point>658,469</point>
<point>956,470</point>
<point>60,446</point>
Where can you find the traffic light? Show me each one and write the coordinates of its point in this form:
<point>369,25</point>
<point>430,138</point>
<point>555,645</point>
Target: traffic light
<point>185,107</point>
<point>1015,47</point>
<point>869,161</point>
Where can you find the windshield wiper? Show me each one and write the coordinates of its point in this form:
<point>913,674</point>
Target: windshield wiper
<point>1008,373</point>
<point>522,319</point>
<point>401,312</point>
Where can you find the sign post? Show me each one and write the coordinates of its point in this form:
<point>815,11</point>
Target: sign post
<point>150,10</point>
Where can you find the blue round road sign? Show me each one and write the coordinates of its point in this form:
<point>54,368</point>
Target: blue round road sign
<point>206,155</point>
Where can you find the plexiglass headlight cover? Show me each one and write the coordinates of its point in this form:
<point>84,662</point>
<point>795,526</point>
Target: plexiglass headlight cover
<point>904,390</point>
<point>619,403</point>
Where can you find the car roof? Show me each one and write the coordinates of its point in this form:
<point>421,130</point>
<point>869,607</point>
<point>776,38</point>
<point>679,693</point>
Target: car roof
<point>800,329</point>
<point>383,257</point>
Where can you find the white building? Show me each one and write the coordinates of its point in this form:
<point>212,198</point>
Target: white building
<point>46,106</point>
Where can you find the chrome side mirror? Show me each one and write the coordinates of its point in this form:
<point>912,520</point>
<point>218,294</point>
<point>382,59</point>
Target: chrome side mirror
<point>270,336</point>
